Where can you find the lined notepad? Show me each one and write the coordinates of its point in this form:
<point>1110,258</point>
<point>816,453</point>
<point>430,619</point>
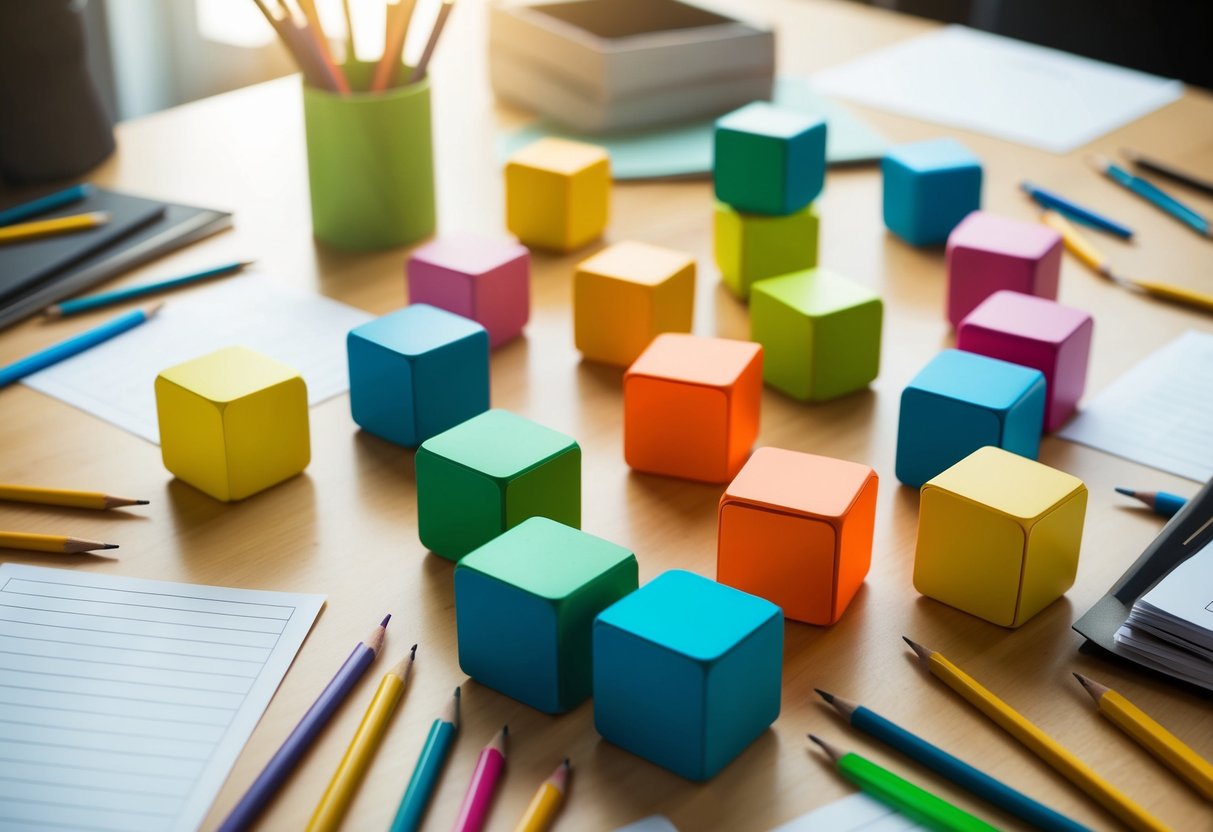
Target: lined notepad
<point>125,702</point>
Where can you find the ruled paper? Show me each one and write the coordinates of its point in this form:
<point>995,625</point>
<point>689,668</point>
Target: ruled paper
<point>124,702</point>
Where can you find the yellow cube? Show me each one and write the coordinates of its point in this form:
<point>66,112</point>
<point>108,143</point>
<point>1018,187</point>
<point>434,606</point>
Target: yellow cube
<point>998,536</point>
<point>557,194</point>
<point>628,294</point>
<point>233,422</point>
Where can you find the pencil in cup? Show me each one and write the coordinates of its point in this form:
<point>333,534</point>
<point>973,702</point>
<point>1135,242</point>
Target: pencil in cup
<point>64,497</point>
<point>53,543</point>
<point>479,796</point>
<point>545,805</point>
<point>428,769</point>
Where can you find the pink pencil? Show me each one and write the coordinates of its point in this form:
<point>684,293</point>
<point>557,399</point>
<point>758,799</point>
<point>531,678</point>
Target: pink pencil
<point>479,795</point>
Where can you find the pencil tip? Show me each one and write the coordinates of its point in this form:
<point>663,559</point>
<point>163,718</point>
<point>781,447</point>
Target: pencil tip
<point>142,502</point>
<point>413,652</point>
<point>1128,492</point>
<point>1100,163</point>
<point>922,652</point>
<point>385,620</point>
<point>505,730</point>
<point>829,697</point>
<point>566,763</point>
<point>458,692</point>
<point>108,546</point>
<point>154,310</point>
<point>53,312</point>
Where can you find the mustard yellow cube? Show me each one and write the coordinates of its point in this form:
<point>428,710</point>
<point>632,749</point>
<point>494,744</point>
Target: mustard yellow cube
<point>557,194</point>
<point>998,536</point>
<point>233,422</point>
<point>628,294</point>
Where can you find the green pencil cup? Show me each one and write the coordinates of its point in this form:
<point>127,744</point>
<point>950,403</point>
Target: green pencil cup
<point>370,161</point>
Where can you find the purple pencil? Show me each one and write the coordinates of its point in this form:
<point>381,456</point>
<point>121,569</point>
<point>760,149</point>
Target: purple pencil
<point>296,745</point>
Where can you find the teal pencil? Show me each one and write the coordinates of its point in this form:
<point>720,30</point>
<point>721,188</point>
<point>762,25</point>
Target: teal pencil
<point>428,770</point>
<point>26,210</point>
<point>86,304</point>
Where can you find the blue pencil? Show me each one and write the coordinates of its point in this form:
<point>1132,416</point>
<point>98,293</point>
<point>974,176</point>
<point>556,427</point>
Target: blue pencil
<point>953,768</point>
<point>1162,502</point>
<point>428,770</point>
<point>1048,199</point>
<point>43,204</point>
<point>1153,194</point>
<point>74,346</point>
<point>74,307</point>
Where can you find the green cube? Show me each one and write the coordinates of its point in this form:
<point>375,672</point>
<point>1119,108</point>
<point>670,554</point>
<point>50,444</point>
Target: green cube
<point>490,473</point>
<point>525,604</point>
<point>750,247</point>
<point>820,333</point>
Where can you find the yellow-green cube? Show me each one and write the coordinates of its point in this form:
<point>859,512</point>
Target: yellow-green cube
<point>750,247</point>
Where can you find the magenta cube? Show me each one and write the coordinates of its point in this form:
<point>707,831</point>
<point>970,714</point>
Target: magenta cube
<point>1038,333</point>
<point>987,253</point>
<point>482,278</point>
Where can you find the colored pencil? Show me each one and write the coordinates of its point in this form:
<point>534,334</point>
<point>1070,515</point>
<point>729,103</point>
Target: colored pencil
<point>547,801</point>
<point>64,497</point>
<point>479,795</point>
<point>336,798</point>
<point>74,346</point>
<point>315,30</point>
<point>22,231</point>
<point>1160,502</point>
<point>428,769</point>
<point>1153,194</point>
<point>283,25</point>
<point>22,212</point>
<point>444,11</point>
<point>1048,199</point>
<point>1169,171</point>
<point>351,46</point>
<point>85,304</point>
<point>1037,741</point>
<point>297,743</point>
<point>51,543</point>
<point>396,30</point>
<point>1173,752</point>
<point>915,803</point>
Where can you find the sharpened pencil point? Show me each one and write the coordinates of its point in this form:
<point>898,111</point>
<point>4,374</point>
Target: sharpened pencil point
<point>142,502</point>
<point>458,692</point>
<point>923,653</point>
<point>413,652</point>
<point>108,546</point>
<point>1128,492</point>
<point>385,620</point>
<point>1093,688</point>
<point>505,730</point>
<point>829,697</point>
<point>831,752</point>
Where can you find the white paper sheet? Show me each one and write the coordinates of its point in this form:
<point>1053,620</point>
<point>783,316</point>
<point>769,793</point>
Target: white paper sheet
<point>1017,91</point>
<point>1160,413</point>
<point>114,381</point>
<point>851,814</point>
<point>125,702</point>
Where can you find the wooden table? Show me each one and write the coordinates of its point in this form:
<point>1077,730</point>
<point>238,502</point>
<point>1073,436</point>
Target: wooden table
<point>347,527</point>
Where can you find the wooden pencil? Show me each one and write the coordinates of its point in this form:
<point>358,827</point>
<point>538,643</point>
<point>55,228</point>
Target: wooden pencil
<point>64,497</point>
<point>396,31</point>
<point>444,11</point>
<point>32,230</point>
<point>55,543</point>
<point>546,803</point>
<point>316,30</point>
<point>479,795</point>
<point>1169,171</point>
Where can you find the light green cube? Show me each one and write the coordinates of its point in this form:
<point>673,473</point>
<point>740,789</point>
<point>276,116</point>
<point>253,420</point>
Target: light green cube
<point>820,333</point>
<point>750,247</point>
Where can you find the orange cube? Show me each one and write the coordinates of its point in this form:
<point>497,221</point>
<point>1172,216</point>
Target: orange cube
<point>796,529</point>
<point>690,407</point>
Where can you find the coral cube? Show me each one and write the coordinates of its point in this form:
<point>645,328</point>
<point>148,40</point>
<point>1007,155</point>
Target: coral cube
<point>525,604</point>
<point>960,402</point>
<point>233,422</point>
<point>769,160</point>
<point>691,406</point>
<point>482,278</point>
<point>628,294</point>
<point>750,247</point>
<point>489,474</point>
<point>1038,333</point>
<point>820,333</point>
<point>687,672</point>
<point>987,252</point>
<point>929,187</point>
<point>796,529</point>
<point>999,535</point>
<point>557,194</point>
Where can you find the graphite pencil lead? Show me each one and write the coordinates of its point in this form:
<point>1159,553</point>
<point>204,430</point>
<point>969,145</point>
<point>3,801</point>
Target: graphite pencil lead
<point>829,697</point>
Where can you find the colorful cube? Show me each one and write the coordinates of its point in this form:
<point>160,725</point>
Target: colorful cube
<point>233,422</point>
<point>1038,333</point>
<point>929,187</point>
<point>691,406</point>
<point>998,536</point>
<point>687,672</point>
<point>960,402</point>
<point>750,247</point>
<point>482,278</point>
<point>769,160</point>
<point>557,194</point>
<point>820,333</point>
<point>796,529</point>
<point>490,473</point>
<point>987,252</point>
<point>525,604</point>
<point>628,294</point>
<point>416,372</point>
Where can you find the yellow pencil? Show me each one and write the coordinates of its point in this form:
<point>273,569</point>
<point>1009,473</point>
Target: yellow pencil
<point>64,497</point>
<point>357,759</point>
<point>1160,742</point>
<point>50,543</point>
<point>396,31</point>
<point>1075,243</point>
<point>546,802</point>
<point>1037,741</point>
<point>22,231</point>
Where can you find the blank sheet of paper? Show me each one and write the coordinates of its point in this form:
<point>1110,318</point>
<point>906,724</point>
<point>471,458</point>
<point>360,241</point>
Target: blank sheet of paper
<point>851,814</point>
<point>125,702</point>
<point>303,330</point>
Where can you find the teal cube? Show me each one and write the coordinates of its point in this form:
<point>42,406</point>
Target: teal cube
<point>687,672</point>
<point>820,333</point>
<point>416,372</point>
<point>750,247</point>
<point>929,187</point>
<point>769,160</point>
<point>525,604</point>
<point>960,402</point>
<point>489,474</point>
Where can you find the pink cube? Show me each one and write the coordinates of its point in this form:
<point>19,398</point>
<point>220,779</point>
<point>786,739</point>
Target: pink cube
<point>482,278</point>
<point>987,252</point>
<point>1038,333</point>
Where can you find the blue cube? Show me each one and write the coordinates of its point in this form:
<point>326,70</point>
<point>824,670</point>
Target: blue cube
<point>687,672</point>
<point>960,402</point>
<point>416,372</point>
<point>525,604</point>
<point>769,160</point>
<point>929,187</point>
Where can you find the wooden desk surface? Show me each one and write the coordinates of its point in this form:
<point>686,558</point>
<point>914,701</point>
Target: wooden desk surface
<point>347,527</point>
